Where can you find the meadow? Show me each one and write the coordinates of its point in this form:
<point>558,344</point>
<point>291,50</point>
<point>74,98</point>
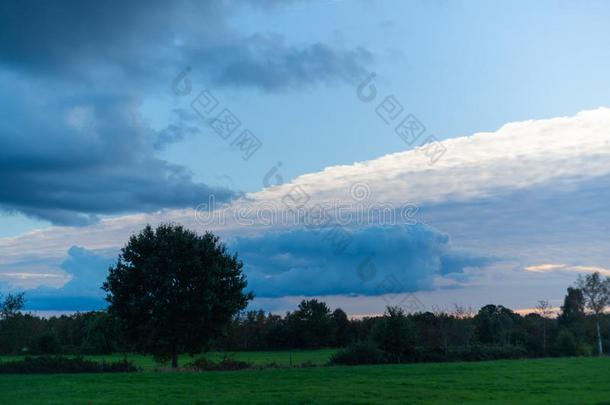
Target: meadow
<point>284,358</point>
<point>547,381</point>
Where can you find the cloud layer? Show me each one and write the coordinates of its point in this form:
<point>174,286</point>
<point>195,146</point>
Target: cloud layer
<point>375,261</point>
<point>73,143</point>
<point>530,193</point>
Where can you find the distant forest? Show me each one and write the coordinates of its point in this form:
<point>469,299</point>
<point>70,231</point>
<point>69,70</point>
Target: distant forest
<point>491,333</point>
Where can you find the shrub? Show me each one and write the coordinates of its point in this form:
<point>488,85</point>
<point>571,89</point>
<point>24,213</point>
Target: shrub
<point>585,349</point>
<point>566,343</point>
<point>226,364</point>
<point>489,352</point>
<point>59,364</point>
<point>475,353</point>
<point>359,353</point>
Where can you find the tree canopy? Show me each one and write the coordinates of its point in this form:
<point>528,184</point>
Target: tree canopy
<point>173,290</point>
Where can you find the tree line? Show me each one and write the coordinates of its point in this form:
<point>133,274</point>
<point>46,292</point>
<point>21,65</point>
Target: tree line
<point>461,334</point>
<point>175,291</point>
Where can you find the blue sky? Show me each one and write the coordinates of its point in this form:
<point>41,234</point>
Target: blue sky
<point>95,141</point>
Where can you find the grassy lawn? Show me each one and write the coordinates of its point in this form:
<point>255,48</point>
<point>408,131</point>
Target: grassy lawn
<point>548,381</point>
<point>282,358</point>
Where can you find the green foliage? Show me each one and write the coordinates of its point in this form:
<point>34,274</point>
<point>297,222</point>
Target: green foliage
<point>173,290</point>
<point>343,333</point>
<point>394,334</point>
<point>311,325</point>
<point>496,325</point>
<point>567,344</point>
<point>48,343</point>
<point>359,353</point>
<point>58,364</point>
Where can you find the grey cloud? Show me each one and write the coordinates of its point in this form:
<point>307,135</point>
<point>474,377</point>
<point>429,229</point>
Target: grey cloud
<point>379,260</point>
<point>145,41</point>
<point>73,75</point>
<point>277,66</point>
<point>68,162</point>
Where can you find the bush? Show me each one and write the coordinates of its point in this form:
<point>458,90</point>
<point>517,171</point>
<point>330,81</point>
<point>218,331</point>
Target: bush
<point>226,364</point>
<point>567,345</point>
<point>59,364</point>
<point>475,353</point>
<point>359,353</point>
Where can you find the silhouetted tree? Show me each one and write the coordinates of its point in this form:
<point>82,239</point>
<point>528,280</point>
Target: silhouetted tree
<point>597,296</point>
<point>572,316</point>
<point>342,327</point>
<point>11,305</point>
<point>311,325</point>
<point>495,324</point>
<point>463,327</point>
<point>173,290</point>
<point>544,310</point>
<point>394,334</point>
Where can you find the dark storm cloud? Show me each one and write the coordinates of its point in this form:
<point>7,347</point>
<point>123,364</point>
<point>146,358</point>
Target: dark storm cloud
<point>294,263</point>
<point>67,161</point>
<point>301,262</point>
<point>271,65</point>
<point>143,40</point>
<point>72,78</point>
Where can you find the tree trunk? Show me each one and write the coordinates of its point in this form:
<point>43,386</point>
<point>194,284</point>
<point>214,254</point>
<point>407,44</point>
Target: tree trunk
<point>174,359</point>
<point>600,349</point>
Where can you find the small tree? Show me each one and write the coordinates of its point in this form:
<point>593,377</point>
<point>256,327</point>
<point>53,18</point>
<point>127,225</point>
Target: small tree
<point>597,296</point>
<point>342,327</point>
<point>544,310</point>
<point>394,334</point>
<point>572,315</point>
<point>464,326</point>
<point>11,305</point>
<point>173,290</point>
<point>311,325</point>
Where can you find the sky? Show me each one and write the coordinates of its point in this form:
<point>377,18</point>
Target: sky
<point>369,153</point>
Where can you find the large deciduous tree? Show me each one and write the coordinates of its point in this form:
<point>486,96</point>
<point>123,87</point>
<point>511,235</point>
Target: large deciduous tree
<point>174,290</point>
<point>596,292</point>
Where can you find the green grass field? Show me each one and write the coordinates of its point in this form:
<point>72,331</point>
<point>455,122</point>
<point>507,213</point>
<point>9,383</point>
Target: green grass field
<point>281,358</point>
<point>547,381</point>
